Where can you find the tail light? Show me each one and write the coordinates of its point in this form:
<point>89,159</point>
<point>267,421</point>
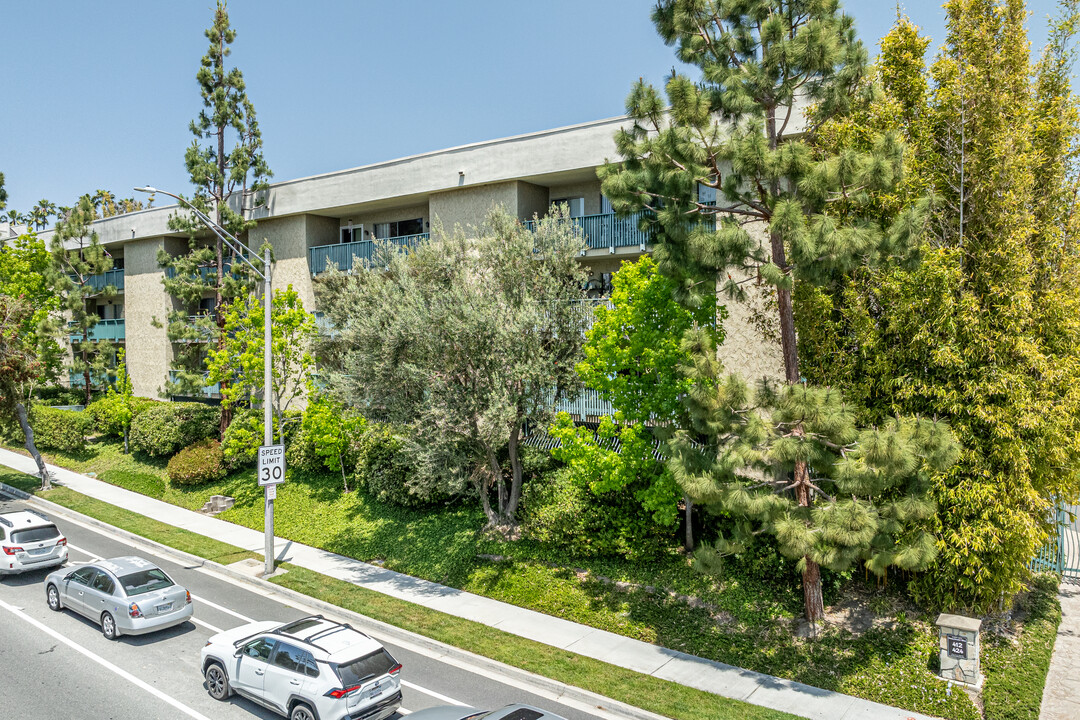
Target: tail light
<point>396,669</point>
<point>12,550</point>
<point>188,593</point>
<point>134,611</point>
<point>342,692</point>
<point>61,542</point>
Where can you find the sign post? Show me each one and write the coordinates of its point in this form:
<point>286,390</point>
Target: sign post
<point>271,474</point>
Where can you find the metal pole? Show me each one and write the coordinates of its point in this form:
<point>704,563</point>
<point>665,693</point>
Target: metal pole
<point>268,426</point>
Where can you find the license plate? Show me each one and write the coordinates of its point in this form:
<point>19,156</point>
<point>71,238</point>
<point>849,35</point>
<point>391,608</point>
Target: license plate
<point>164,608</point>
<point>40,551</point>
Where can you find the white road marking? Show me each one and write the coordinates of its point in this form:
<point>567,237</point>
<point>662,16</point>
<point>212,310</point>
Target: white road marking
<point>87,553</point>
<point>105,663</point>
<point>206,625</point>
<point>432,693</point>
<point>225,610</point>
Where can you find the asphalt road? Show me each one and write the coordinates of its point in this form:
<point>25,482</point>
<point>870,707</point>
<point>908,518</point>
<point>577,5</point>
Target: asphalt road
<point>58,665</point>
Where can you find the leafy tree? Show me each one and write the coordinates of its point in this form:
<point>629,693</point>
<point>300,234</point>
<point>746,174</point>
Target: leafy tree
<point>18,366</point>
<point>227,185</point>
<point>77,256</point>
<point>734,132</point>
<point>238,363</point>
<point>462,341</point>
<point>871,485</point>
<point>632,357</point>
<point>3,193</point>
<point>121,396</point>
<point>24,273</point>
<point>332,428</point>
<point>985,330</point>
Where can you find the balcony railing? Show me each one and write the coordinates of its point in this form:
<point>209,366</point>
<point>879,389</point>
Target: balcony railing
<point>209,272</point>
<point>209,391</point>
<point>342,254</point>
<point>104,330</point>
<point>585,406</point>
<point>608,231</point>
<point>114,277</point>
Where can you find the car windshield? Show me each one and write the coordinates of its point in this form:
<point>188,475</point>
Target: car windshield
<point>145,581</point>
<point>370,666</point>
<point>38,534</point>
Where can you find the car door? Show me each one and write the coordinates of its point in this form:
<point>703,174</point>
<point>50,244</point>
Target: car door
<point>286,674</point>
<point>251,666</point>
<point>97,595</point>
<point>74,590</point>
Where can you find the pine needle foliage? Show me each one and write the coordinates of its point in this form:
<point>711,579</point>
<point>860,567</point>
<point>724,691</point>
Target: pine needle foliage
<point>869,486</point>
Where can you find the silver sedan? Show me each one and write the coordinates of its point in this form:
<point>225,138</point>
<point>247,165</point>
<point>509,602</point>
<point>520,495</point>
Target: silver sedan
<point>125,595</point>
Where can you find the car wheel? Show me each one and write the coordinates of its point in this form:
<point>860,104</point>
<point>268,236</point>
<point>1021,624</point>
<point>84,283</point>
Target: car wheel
<point>108,627</point>
<point>217,683</point>
<point>52,595</point>
<point>301,711</point>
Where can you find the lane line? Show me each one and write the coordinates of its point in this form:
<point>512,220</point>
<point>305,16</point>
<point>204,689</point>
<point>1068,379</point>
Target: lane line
<point>432,693</point>
<point>105,663</point>
<point>206,625</point>
<point>225,610</point>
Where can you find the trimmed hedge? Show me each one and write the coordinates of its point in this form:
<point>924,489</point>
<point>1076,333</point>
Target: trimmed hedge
<point>103,417</point>
<point>63,430</point>
<point>197,464</point>
<point>165,428</point>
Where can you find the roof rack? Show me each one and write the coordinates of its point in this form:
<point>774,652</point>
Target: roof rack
<point>5,521</point>
<point>277,630</point>
<point>35,512</point>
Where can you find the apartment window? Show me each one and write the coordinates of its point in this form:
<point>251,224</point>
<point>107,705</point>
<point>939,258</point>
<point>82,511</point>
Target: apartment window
<point>352,233</point>
<point>398,228</point>
<point>575,206</point>
<point>706,194</point>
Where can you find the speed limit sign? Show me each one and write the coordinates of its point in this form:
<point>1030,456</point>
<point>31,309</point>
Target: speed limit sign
<point>271,464</point>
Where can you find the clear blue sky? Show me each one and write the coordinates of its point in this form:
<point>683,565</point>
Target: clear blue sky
<point>100,94</point>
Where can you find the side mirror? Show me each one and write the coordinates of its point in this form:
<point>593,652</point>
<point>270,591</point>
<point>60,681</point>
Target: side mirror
<point>69,575</point>
<point>238,652</point>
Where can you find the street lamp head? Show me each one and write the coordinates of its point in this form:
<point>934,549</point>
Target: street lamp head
<point>146,189</point>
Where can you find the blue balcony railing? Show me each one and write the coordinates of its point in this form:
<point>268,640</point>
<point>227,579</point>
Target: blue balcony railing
<point>99,282</point>
<point>608,231</point>
<point>586,405</point>
<point>209,391</point>
<point>104,330</point>
<point>209,272</point>
<point>342,254</point>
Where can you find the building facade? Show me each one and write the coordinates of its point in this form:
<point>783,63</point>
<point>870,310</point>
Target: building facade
<point>334,217</point>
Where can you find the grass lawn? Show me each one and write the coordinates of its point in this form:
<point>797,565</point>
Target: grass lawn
<point>880,647</point>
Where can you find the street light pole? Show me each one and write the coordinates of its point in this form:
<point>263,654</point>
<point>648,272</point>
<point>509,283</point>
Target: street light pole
<point>268,426</point>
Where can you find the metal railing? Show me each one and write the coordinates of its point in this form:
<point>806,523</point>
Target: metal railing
<point>585,405</point>
<point>343,254</point>
<point>104,330</point>
<point>114,277</point>
<point>209,272</point>
<point>608,230</point>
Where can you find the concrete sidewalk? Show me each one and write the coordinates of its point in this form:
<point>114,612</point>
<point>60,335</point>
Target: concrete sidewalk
<point>689,670</point>
<point>1061,695</point>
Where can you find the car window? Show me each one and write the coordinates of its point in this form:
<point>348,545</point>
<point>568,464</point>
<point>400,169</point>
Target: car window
<point>103,583</point>
<point>295,659</point>
<point>145,581</point>
<point>259,649</point>
<point>370,666</point>
<point>83,575</point>
<point>33,535</point>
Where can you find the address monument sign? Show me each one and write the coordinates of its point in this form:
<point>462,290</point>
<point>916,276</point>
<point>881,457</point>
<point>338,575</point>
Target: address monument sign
<point>271,464</point>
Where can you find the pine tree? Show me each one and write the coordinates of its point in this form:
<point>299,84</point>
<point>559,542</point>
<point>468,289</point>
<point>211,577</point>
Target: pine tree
<point>734,131</point>
<point>77,256</point>
<point>228,186</point>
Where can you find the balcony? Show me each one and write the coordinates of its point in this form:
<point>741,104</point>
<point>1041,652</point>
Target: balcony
<point>99,282</point>
<point>210,391</point>
<point>104,330</point>
<point>208,273</point>
<point>342,254</point>
<point>608,231</point>
<point>586,406</point>
<point>196,333</point>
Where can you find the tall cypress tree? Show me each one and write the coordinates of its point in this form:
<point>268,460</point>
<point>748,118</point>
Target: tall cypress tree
<point>228,185</point>
<point>77,256</point>
<point>736,131</point>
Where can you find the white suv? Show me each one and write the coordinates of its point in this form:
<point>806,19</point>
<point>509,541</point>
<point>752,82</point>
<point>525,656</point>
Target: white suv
<point>308,669</point>
<point>29,541</point>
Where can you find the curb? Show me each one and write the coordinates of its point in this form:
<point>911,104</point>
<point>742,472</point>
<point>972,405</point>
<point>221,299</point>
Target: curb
<point>378,627</point>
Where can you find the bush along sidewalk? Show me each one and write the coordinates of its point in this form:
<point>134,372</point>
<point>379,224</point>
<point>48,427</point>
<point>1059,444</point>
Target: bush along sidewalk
<point>649,693</point>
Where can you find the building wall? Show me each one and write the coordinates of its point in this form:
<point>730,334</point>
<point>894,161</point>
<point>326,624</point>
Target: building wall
<point>149,351</point>
<point>589,190</point>
<point>532,200</point>
<point>368,220</point>
<point>468,206</point>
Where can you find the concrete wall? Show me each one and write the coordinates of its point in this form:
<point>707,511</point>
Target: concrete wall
<point>532,200</point>
<point>589,190</point>
<point>149,351</point>
<point>468,206</point>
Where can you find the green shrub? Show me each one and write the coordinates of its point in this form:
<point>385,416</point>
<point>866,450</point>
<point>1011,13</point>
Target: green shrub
<point>560,509</point>
<point>165,428</point>
<point>63,430</point>
<point>197,464</point>
<point>382,466</point>
<point>103,415</point>
<point>242,439</point>
<point>301,454</point>
<point>59,395</point>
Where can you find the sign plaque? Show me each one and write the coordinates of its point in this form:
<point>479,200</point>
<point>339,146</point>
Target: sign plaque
<point>958,647</point>
<point>271,464</point>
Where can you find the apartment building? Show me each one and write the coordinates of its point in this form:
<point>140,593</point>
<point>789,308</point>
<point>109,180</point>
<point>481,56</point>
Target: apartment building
<point>337,216</point>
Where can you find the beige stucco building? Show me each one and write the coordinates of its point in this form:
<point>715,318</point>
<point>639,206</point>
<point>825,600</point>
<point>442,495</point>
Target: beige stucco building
<point>331,217</point>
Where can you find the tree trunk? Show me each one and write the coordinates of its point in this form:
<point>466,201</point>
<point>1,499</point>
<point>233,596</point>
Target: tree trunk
<point>86,365</point>
<point>688,543</point>
<point>341,464</point>
<point>127,451</point>
<point>485,501</point>
<point>43,472</point>
<point>516,474</point>
<point>500,487</point>
<point>814,605</point>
